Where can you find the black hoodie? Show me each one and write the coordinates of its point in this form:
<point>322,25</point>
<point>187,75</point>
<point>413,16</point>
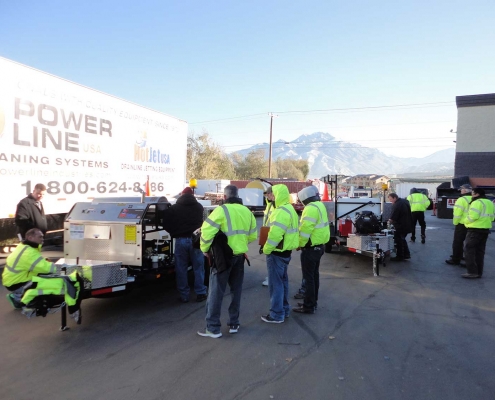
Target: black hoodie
<point>184,217</point>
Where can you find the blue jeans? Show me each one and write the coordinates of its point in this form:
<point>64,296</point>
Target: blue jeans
<point>278,284</point>
<point>234,276</point>
<point>186,255</point>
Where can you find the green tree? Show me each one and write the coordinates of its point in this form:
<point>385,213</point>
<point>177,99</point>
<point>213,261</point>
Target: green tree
<point>253,165</point>
<point>206,159</point>
<point>288,168</point>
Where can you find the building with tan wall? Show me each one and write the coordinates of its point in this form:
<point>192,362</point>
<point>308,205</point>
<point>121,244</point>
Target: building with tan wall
<point>475,150</point>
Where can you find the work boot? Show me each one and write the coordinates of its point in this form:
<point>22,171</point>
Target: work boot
<point>470,276</point>
<point>423,237</point>
<point>303,310</point>
<point>450,261</point>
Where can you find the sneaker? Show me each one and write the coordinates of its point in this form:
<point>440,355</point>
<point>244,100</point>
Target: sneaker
<point>270,320</point>
<point>265,282</point>
<point>16,304</point>
<point>207,333</point>
<point>299,296</point>
<point>234,329</point>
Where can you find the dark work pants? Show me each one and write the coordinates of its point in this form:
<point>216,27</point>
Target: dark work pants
<point>418,216</point>
<point>474,250</point>
<point>310,264</point>
<point>460,232</point>
<point>401,245</point>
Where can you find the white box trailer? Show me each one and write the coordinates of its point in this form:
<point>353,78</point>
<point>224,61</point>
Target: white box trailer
<point>81,143</point>
<point>403,189</point>
<point>210,186</point>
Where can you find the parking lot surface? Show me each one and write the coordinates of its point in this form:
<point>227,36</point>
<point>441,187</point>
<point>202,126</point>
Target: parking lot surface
<point>418,331</point>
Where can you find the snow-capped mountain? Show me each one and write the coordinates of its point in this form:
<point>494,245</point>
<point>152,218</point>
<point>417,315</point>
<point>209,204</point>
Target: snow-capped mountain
<point>329,156</point>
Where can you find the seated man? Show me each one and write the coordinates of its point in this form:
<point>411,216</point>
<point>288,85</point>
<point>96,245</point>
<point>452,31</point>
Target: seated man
<point>25,262</point>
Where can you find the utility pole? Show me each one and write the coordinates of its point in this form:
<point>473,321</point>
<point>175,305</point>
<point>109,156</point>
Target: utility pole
<point>270,151</point>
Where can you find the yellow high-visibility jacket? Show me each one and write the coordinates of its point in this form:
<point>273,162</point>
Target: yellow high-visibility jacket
<point>283,223</point>
<point>24,263</point>
<point>481,214</point>
<point>461,208</point>
<point>314,225</point>
<point>236,221</point>
<point>66,286</point>
<point>418,202</point>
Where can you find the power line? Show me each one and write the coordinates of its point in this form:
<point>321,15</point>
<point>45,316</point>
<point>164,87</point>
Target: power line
<point>396,106</point>
<point>227,119</point>
<point>306,145</point>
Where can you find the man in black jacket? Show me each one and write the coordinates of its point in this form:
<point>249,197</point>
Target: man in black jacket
<point>181,220</point>
<point>30,213</point>
<point>401,218</point>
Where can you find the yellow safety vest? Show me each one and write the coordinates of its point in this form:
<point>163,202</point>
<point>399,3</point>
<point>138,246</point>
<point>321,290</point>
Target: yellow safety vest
<point>418,202</point>
<point>66,286</point>
<point>24,263</point>
<point>314,225</point>
<point>461,208</point>
<point>283,223</point>
<point>236,222</point>
<point>480,214</point>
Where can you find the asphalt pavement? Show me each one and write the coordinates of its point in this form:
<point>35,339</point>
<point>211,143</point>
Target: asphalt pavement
<point>418,331</point>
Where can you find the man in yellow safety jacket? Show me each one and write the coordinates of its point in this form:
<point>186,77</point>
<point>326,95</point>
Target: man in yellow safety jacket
<point>225,235</point>
<point>24,263</point>
<point>314,232</point>
<point>283,237</point>
<point>461,207</point>
<point>419,204</point>
<point>479,221</point>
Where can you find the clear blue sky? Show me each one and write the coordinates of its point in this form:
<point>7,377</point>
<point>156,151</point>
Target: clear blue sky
<point>202,61</point>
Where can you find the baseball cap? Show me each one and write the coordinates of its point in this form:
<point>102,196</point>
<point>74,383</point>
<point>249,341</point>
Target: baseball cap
<point>466,186</point>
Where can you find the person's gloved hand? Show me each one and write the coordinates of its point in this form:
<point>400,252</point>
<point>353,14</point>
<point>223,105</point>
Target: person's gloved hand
<point>261,249</point>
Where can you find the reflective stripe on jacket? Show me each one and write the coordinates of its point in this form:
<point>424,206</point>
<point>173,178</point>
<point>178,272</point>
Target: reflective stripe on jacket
<point>236,221</point>
<point>266,213</point>
<point>461,207</point>
<point>418,202</point>
<point>24,263</point>
<point>283,223</point>
<point>480,214</point>
<point>66,286</point>
<point>314,225</point>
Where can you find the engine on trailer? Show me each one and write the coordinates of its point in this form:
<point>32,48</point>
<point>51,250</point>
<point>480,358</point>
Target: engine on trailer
<point>367,222</point>
<point>157,254</point>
